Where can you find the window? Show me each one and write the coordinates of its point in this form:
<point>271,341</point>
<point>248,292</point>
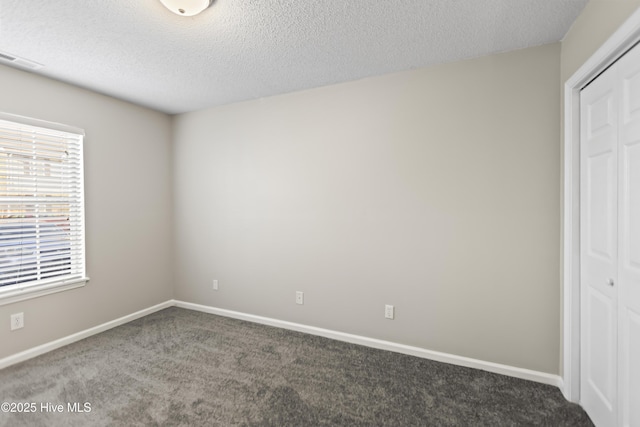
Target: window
<point>41,208</point>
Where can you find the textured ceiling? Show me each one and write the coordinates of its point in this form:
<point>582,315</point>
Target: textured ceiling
<point>245,49</point>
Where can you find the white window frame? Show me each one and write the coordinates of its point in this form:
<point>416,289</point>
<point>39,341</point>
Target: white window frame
<point>17,292</point>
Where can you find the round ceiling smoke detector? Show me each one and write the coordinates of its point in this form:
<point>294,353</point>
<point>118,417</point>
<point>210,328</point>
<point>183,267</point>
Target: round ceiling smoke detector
<point>186,7</point>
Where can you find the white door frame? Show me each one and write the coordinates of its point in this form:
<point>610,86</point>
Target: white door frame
<point>622,40</point>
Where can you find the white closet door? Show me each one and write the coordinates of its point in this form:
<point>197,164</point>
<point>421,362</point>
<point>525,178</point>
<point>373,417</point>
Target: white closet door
<point>628,70</point>
<point>598,258</point>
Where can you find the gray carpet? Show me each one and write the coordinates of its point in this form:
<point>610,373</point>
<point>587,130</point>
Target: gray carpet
<point>181,367</point>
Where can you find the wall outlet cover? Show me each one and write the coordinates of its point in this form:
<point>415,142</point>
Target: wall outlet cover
<point>389,312</point>
<point>17,321</point>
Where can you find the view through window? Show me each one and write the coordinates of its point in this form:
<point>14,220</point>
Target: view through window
<point>41,205</point>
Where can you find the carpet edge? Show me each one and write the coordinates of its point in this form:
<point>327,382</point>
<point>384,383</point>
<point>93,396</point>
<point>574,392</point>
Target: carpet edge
<point>511,371</point>
<point>69,339</point>
<point>497,368</point>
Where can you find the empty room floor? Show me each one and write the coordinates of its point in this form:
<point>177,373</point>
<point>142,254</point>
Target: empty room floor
<point>182,367</point>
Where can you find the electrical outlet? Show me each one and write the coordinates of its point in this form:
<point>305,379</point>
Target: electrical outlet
<point>299,297</point>
<point>389,312</point>
<point>215,284</point>
<point>17,321</point>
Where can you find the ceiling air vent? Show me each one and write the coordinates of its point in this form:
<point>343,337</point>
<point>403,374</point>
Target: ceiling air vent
<point>10,59</point>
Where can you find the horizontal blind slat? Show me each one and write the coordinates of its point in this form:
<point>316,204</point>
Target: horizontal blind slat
<point>41,204</point>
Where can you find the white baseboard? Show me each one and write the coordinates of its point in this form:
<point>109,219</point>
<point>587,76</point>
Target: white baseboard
<point>44,348</point>
<point>564,389</point>
<point>497,368</point>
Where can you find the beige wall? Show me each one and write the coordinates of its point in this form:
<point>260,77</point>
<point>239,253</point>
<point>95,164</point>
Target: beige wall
<point>435,190</point>
<point>128,209</point>
<point>596,23</point>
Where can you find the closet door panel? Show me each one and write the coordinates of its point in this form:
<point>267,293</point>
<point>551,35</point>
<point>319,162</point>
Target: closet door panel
<point>628,68</point>
<point>599,246</point>
<point>630,369</point>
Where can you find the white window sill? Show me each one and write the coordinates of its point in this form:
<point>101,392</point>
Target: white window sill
<point>21,294</point>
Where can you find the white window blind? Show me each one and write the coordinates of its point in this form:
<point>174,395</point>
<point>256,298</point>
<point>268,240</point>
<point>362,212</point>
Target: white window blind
<point>41,205</point>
